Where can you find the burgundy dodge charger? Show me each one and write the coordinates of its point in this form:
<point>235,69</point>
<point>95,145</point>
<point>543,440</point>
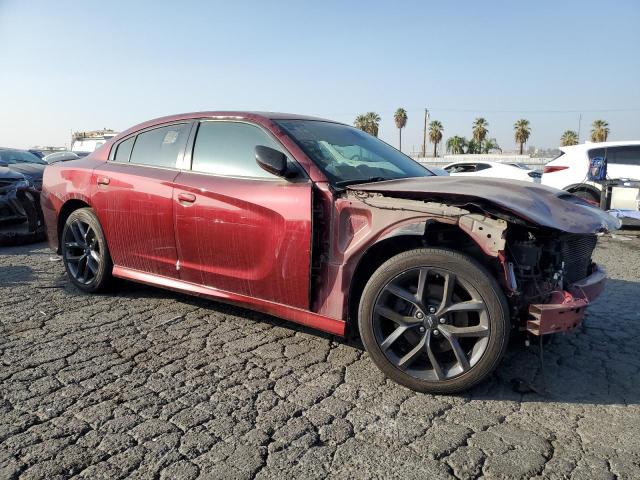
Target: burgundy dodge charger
<point>324,225</point>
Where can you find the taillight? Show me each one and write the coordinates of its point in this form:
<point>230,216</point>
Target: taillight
<point>553,168</point>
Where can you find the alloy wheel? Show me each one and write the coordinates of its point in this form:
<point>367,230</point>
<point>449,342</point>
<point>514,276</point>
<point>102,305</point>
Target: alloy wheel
<point>431,324</point>
<point>82,251</point>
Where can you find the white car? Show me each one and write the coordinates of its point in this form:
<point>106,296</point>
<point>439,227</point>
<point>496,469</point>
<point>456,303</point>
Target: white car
<point>493,170</point>
<point>569,171</point>
<point>63,156</point>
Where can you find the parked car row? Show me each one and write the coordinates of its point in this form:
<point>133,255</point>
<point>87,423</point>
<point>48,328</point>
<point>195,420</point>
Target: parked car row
<point>569,171</point>
<point>20,184</point>
<point>493,170</point>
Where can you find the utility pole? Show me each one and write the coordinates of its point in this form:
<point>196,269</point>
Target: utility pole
<point>579,125</point>
<point>424,133</point>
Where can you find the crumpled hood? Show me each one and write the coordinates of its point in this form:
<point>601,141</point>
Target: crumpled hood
<point>532,202</point>
<point>7,174</point>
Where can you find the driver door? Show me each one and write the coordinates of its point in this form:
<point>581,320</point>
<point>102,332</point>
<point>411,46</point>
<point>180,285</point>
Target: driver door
<point>239,228</point>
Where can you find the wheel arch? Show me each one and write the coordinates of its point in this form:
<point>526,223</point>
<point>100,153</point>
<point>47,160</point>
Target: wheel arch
<point>67,209</point>
<point>419,234</point>
<point>583,186</point>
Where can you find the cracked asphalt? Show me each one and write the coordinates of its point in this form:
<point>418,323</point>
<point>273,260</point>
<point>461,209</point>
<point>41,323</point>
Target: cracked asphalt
<point>143,383</point>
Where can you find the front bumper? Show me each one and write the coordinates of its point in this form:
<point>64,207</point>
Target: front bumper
<point>566,309</point>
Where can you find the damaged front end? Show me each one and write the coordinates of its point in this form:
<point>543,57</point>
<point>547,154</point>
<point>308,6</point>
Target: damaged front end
<point>552,278</point>
<point>21,218</point>
<point>532,244</point>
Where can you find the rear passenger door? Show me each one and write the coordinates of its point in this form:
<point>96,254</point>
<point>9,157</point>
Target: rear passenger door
<point>239,228</point>
<point>134,198</point>
<point>624,162</point>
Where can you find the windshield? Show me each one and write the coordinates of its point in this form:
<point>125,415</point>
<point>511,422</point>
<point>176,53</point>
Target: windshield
<point>10,157</point>
<point>348,155</point>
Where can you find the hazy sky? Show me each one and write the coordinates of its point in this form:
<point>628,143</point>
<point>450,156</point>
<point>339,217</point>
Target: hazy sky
<point>80,65</point>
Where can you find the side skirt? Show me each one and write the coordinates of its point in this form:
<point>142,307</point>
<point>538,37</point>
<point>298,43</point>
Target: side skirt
<point>303,317</point>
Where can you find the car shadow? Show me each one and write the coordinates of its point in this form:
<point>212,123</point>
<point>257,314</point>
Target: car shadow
<point>596,364</point>
<point>14,275</point>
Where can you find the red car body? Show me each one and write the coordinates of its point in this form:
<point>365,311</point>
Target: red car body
<point>299,250</point>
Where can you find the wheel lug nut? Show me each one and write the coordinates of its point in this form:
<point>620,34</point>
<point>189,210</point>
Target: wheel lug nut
<point>442,320</point>
<point>419,315</point>
<point>422,330</point>
<point>436,333</point>
<point>432,309</point>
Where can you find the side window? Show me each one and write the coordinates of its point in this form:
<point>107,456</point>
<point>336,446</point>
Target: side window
<point>228,148</point>
<point>124,150</point>
<point>160,147</point>
<point>456,168</point>
<point>481,166</point>
<point>624,155</point>
<point>462,168</point>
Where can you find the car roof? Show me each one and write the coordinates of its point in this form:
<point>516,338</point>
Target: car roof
<point>590,145</point>
<point>218,114</point>
<point>236,114</point>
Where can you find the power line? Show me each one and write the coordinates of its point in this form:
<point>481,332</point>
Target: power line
<point>483,111</point>
<point>606,110</point>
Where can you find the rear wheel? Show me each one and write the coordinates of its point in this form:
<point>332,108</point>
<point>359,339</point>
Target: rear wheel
<point>85,252</point>
<point>434,320</point>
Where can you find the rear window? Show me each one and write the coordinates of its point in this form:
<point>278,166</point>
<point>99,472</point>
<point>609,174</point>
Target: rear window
<point>124,150</point>
<point>160,147</point>
<point>596,152</point>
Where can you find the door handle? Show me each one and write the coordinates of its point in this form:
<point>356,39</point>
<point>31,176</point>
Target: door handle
<point>103,180</point>
<point>186,197</point>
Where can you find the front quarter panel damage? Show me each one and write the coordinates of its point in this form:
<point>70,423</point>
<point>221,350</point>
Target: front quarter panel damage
<point>362,219</point>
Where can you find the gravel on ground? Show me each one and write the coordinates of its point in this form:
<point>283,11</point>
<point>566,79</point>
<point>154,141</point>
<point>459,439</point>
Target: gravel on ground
<point>143,383</point>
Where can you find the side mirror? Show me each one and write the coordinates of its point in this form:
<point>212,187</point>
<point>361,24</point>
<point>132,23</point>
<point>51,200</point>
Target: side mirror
<point>272,160</point>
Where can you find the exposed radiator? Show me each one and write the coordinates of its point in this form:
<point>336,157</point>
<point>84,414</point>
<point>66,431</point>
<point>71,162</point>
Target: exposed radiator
<point>576,253</point>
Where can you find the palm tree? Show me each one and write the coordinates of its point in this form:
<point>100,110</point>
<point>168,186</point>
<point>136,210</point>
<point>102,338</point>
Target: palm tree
<point>480,130</point>
<point>400,118</point>
<point>361,123</point>
<point>522,132</point>
<point>489,145</point>
<point>435,135</point>
<point>456,144</point>
<point>373,123</point>
<point>369,122</point>
<point>569,137</point>
<point>599,131</point>
<point>473,146</point>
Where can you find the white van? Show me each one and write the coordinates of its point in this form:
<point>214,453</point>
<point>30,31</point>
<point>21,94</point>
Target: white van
<point>569,171</point>
<point>87,142</point>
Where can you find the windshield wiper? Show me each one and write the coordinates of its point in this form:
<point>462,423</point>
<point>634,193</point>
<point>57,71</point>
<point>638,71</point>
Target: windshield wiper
<point>345,183</point>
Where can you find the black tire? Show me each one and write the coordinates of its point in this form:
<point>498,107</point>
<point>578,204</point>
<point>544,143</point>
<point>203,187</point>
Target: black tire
<point>466,274</point>
<point>97,266</point>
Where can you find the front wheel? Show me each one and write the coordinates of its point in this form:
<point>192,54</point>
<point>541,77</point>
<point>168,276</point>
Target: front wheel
<point>434,320</point>
<point>84,251</point>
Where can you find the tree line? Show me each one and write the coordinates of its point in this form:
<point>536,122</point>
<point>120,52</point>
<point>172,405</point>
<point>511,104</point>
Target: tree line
<point>480,142</point>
